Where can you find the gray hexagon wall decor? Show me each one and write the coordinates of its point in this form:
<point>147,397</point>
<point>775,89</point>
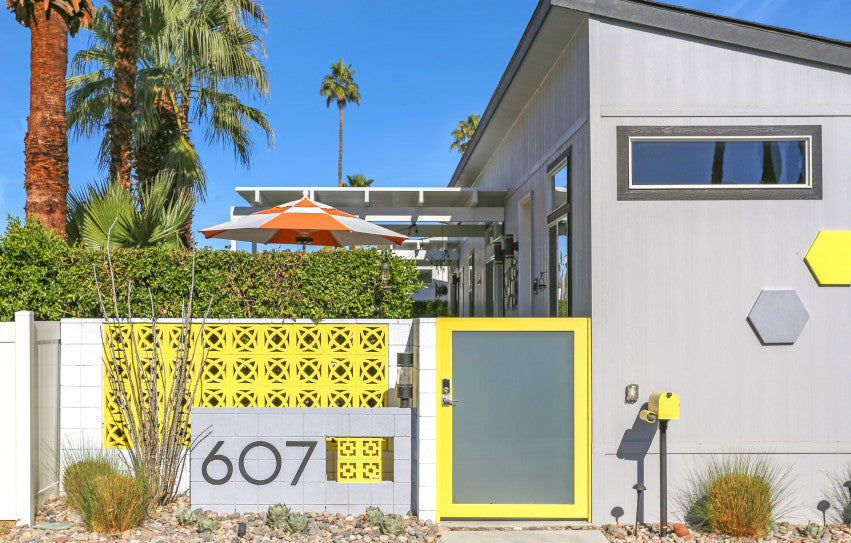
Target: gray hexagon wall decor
<point>778,317</point>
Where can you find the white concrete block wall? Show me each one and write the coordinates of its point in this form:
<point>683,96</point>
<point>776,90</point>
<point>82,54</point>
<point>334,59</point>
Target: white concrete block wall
<point>81,383</point>
<point>425,370</point>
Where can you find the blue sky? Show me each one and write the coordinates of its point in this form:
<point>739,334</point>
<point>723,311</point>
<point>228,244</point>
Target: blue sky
<point>421,66</point>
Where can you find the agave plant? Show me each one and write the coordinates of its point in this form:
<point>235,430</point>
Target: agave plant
<point>207,525</point>
<point>298,522</point>
<point>374,515</point>
<point>814,530</point>
<point>188,517</point>
<point>276,516</point>
<point>392,525</point>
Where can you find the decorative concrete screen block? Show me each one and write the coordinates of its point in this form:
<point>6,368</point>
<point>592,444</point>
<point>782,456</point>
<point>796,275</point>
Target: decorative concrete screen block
<point>829,258</point>
<point>267,365</point>
<point>250,458</point>
<point>778,317</point>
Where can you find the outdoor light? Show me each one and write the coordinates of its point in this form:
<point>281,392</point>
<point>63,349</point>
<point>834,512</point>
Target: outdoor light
<point>510,246</point>
<point>385,276</point>
<point>639,509</point>
<point>498,253</point>
<point>539,283</point>
<point>405,378</point>
<point>631,393</point>
<point>303,240</point>
<point>823,506</point>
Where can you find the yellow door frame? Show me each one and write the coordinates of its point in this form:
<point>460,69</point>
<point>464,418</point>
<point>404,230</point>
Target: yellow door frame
<point>581,509</point>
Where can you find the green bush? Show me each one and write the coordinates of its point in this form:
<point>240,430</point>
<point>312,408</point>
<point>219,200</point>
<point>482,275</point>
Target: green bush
<point>39,272</point>
<point>77,480</point>
<point>741,495</point>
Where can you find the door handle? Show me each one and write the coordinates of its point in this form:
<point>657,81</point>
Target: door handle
<point>446,396</point>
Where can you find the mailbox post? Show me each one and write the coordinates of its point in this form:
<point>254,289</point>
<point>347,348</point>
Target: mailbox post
<point>663,406</point>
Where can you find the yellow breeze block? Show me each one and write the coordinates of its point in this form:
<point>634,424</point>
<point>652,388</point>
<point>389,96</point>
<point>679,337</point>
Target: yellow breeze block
<point>359,458</point>
<point>266,365</point>
<point>829,258</point>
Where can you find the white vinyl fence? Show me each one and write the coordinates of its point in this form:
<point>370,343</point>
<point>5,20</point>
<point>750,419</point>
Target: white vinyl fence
<point>29,415</point>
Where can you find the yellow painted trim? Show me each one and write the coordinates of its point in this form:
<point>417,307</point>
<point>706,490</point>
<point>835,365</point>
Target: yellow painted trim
<point>582,422</point>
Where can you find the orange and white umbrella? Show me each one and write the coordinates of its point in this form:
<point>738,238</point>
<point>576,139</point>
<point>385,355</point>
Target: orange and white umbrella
<point>304,222</point>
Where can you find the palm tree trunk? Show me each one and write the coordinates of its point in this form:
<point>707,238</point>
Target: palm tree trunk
<point>46,142</point>
<point>123,107</point>
<point>183,113</point>
<point>340,156</point>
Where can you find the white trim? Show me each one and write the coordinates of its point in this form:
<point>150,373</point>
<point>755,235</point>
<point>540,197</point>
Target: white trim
<point>809,162</point>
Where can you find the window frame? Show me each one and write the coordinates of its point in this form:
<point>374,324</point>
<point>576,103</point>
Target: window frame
<point>561,162</point>
<point>627,134</point>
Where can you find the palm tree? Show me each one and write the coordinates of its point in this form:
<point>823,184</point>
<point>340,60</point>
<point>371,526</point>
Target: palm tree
<point>46,142</point>
<point>358,180</point>
<point>152,216</point>
<point>464,133</point>
<point>197,60</point>
<point>339,86</point>
<point>123,107</point>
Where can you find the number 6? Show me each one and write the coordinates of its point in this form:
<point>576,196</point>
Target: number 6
<point>210,458</point>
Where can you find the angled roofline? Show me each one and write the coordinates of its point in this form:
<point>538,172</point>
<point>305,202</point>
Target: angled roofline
<point>720,29</point>
<point>818,50</point>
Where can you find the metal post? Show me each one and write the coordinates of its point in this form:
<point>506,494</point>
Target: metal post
<point>663,477</point>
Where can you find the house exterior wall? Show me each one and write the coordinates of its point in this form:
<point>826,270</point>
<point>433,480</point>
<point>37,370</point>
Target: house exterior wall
<point>674,280</point>
<point>554,120</point>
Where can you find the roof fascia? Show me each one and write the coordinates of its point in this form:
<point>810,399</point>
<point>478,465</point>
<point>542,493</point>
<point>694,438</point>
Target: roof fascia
<point>716,28</point>
<point>526,40</point>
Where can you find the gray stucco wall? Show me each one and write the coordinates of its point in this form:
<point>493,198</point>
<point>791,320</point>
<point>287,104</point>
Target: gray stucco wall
<point>674,281</point>
<point>554,120</point>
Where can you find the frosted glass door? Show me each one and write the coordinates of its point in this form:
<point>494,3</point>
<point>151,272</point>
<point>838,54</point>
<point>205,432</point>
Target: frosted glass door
<point>513,423</point>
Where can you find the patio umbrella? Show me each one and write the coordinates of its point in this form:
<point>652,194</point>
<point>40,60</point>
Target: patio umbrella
<point>304,222</point>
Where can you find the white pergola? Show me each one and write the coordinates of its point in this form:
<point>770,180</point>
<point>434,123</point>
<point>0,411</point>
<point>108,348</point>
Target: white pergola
<point>435,219</point>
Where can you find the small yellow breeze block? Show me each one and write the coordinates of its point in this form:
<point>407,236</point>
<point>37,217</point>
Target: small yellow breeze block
<point>829,258</point>
<point>359,459</point>
<point>666,405</point>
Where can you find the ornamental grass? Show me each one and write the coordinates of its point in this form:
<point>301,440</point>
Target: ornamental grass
<point>118,503</point>
<point>740,495</point>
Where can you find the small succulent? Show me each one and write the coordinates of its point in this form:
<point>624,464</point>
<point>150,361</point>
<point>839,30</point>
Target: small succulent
<point>207,525</point>
<point>276,516</point>
<point>392,525</point>
<point>188,517</point>
<point>374,515</point>
<point>298,522</point>
<point>814,530</point>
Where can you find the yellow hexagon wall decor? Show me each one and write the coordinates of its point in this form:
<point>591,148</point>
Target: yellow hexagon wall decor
<point>829,258</point>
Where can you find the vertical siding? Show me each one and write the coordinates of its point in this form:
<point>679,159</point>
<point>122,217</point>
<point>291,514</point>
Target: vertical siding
<point>674,281</point>
<point>551,122</point>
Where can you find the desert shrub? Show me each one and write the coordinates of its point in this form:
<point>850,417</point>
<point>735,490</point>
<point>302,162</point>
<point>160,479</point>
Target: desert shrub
<point>78,480</point>
<point>39,272</point>
<point>740,495</point>
<point>118,503</point>
<point>739,505</point>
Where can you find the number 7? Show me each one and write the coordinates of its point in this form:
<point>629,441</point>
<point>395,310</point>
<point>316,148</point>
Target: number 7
<point>311,445</point>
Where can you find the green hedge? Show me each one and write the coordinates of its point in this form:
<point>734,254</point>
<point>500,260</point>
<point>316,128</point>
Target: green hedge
<point>39,272</point>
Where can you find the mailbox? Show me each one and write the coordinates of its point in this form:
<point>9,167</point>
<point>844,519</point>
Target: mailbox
<point>666,405</point>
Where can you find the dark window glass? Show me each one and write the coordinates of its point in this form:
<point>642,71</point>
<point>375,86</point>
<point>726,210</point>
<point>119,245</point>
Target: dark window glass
<point>721,162</point>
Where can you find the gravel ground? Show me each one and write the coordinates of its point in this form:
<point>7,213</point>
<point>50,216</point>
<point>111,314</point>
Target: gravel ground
<point>785,533</point>
<point>162,526</point>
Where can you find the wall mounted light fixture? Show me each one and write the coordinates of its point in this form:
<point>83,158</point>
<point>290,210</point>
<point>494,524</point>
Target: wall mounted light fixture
<point>539,283</point>
<point>405,378</point>
<point>385,276</point>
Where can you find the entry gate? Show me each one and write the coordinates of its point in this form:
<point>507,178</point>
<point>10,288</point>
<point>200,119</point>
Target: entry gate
<point>513,418</point>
